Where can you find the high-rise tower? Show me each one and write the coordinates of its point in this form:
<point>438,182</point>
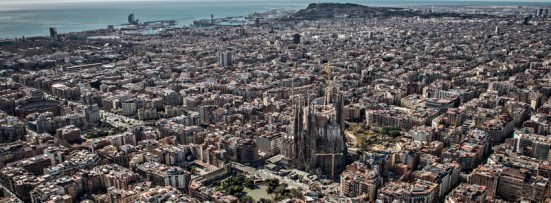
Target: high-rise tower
<point>53,33</point>
<point>225,59</point>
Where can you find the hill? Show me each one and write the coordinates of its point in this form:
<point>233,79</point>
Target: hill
<point>348,10</point>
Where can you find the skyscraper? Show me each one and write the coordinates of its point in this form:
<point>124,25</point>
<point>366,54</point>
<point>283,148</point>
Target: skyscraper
<point>225,59</point>
<point>53,33</point>
<point>131,19</point>
<point>296,38</point>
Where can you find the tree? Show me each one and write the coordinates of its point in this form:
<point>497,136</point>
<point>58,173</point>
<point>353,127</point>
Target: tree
<point>280,191</point>
<point>235,190</point>
<point>247,199</point>
<point>296,193</point>
<point>272,182</point>
<point>249,183</point>
<point>275,190</point>
<point>262,200</point>
<point>270,190</point>
<point>394,133</point>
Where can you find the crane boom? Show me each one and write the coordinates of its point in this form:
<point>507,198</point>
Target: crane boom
<point>293,89</point>
<point>328,89</point>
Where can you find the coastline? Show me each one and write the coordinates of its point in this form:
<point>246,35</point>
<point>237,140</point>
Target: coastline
<point>39,27</point>
<point>34,22</point>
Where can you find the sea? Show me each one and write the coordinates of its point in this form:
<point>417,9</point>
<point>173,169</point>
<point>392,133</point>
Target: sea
<point>18,19</point>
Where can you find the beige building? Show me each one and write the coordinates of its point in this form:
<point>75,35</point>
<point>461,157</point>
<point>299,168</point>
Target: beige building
<point>358,180</point>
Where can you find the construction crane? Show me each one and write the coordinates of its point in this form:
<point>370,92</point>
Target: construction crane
<point>293,72</point>
<point>328,89</point>
<point>332,161</point>
<point>293,89</point>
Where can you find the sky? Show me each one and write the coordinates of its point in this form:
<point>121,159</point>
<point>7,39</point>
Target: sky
<point>60,1</point>
<point>36,4</point>
<point>72,1</point>
<point>76,1</point>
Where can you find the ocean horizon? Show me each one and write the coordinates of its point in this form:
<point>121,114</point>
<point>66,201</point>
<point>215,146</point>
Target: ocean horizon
<point>34,19</point>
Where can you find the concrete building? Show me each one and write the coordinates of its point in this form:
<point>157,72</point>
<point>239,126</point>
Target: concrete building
<point>486,176</point>
<point>115,176</point>
<point>225,59</point>
<point>518,184</point>
<point>18,182</point>
<point>55,155</point>
<point>147,114</point>
<point>64,92</point>
<point>380,118</point>
<point>34,165</point>
<point>360,181</point>
<point>79,160</point>
<point>92,114</point>
<point>69,133</point>
<point>50,193</point>
<point>243,150</point>
<point>420,191</point>
<point>63,190</point>
<point>129,107</point>
<point>163,175</point>
<point>445,175</point>
<point>53,33</point>
<point>533,145</point>
<point>269,144</point>
<point>11,128</point>
<point>423,134</point>
<point>163,194</point>
<point>467,193</point>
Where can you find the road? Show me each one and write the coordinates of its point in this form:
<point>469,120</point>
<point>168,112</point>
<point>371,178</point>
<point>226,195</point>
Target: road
<point>14,197</point>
